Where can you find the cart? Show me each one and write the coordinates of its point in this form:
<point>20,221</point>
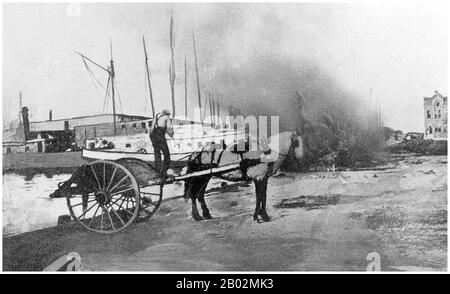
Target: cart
<point>107,196</point>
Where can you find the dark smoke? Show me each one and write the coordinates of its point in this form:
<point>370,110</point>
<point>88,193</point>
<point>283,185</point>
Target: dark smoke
<point>268,85</point>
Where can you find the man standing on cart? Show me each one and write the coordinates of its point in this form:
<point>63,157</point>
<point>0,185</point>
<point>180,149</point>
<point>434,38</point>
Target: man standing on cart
<point>160,126</point>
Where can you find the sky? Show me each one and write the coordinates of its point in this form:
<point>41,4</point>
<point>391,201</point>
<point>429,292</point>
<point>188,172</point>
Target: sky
<point>399,50</point>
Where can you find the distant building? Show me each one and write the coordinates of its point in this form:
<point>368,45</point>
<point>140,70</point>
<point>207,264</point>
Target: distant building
<point>67,124</point>
<point>59,135</point>
<point>66,132</point>
<point>16,138</point>
<point>435,109</point>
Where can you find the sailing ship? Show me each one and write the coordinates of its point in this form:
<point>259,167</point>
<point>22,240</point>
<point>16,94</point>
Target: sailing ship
<point>189,135</point>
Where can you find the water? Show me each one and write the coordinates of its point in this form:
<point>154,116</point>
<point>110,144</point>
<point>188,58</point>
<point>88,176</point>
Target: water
<point>27,207</point>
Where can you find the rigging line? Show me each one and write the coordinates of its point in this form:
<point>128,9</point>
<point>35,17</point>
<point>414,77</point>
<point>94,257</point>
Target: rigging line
<point>93,81</point>
<point>108,95</point>
<point>105,103</point>
<point>92,74</point>
<point>118,96</point>
<point>87,58</point>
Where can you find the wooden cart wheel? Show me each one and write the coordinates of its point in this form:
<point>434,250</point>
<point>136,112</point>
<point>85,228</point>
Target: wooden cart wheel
<point>110,198</point>
<point>151,199</point>
<point>151,194</point>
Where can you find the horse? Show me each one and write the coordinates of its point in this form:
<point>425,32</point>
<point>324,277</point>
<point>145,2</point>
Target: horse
<point>275,151</point>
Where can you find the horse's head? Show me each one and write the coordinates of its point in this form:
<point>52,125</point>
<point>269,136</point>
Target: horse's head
<point>296,146</point>
<point>284,145</point>
<point>65,188</point>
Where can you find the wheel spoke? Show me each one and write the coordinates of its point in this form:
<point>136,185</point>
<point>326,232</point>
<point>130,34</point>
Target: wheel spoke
<point>126,210</point>
<point>109,216</point>
<point>116,200</point>
<point>120,182</point>
<point>95,213</point>
<point>96,178</point>
<point>121,203</point>
<point>120,192</point>
<point>117,215</point>
<point>104,175</point>
<point>112,177</point>
<point>82,203</point>
<point>86,211</point>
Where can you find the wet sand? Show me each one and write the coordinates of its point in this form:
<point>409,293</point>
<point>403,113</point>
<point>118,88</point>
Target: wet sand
<point>320,222</point>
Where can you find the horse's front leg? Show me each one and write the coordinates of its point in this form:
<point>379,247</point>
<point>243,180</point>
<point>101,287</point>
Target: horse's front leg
<point>195,215</point>
<point>258,200</point>
<point>192,194</point>
<point>263,212</point>
<point>205,210</point>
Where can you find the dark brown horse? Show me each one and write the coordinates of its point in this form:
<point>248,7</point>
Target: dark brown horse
<point>275,151</point>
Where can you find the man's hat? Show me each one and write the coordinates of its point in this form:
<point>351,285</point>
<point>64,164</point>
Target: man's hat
<point>165,112</point>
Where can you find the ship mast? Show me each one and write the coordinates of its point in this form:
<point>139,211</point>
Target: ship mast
<point>148,77</point>
<point>218,112</point>
<point>185,87</point>
<point>112,75</point>
<point>172,64</point>
<point>198,82</point>
<point>111,78</point>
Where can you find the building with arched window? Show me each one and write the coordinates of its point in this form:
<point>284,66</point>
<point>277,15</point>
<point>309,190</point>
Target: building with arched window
<point>435,110</point>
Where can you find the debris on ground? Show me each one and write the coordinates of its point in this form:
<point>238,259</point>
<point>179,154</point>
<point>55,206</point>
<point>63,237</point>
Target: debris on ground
<point>308,202</point>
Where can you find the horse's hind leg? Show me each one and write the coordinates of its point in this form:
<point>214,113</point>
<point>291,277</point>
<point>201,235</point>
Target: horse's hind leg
<point>195,215</point>
<point>261,196</point>
<point>263,212</point>
<point>201,199</point>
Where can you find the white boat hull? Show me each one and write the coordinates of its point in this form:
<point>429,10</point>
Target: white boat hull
<point>180,147</point>
<point>116,155</point>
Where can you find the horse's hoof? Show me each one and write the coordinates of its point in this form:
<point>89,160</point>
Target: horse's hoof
<point>197,218</point>
<point>265,217</point>
<point>207,216</point>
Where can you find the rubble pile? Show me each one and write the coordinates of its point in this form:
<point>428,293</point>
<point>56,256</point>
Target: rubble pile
<point>420,146</point>
<point>339,142</point>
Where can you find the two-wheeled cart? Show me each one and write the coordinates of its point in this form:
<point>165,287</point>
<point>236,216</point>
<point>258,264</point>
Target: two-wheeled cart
<point>107,196</point>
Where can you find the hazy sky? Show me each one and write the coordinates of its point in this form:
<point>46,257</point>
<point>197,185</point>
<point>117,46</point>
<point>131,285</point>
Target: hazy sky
<point>398,49</point>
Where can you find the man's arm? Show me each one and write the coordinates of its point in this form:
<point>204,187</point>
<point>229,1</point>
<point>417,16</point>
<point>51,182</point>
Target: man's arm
<point>152,125</point>
<point>169,127</point>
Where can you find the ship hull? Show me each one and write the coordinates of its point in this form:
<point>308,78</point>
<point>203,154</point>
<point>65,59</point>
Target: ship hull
<point>180,158</point>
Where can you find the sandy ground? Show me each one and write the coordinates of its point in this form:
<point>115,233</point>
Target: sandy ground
<point>320,222</point>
